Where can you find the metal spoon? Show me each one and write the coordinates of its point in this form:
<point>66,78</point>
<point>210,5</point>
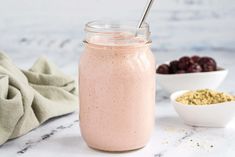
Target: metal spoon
<point>146,11</point>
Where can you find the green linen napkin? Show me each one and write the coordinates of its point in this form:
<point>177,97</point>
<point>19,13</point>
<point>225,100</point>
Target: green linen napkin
<point>29,98</point>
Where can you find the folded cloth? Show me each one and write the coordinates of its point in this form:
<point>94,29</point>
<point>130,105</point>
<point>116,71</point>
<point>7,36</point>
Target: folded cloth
<point>29,98</point>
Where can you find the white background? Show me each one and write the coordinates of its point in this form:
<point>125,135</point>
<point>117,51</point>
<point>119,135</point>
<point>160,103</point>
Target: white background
<point>30,28</point>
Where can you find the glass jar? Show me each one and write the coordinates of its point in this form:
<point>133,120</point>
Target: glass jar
<point>116,86</point>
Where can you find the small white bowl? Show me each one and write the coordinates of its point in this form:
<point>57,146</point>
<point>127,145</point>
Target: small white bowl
<point>191,81</point>
<point>214,115</point>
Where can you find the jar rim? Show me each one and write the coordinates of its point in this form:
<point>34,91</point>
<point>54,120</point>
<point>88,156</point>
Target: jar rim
<point>116,33</point>
<point>101,26</point>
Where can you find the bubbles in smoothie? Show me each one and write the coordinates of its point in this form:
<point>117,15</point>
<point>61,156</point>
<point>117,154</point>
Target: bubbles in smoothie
<point>117,39</point>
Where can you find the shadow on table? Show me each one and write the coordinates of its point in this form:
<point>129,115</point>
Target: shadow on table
<point>73,145</point>
<point>76,145</point>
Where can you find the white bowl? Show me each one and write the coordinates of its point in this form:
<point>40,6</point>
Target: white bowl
<point>215,115</point>
<point>191,81</point>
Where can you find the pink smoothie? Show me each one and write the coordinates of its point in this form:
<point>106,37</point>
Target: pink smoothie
<point>117,93</point>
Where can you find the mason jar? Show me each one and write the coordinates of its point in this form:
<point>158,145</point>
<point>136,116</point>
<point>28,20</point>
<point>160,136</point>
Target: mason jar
<point>116,86</point>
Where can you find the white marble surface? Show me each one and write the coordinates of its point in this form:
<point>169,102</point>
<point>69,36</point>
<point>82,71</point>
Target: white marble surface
<point>61,137</point>
<point>179,27</point>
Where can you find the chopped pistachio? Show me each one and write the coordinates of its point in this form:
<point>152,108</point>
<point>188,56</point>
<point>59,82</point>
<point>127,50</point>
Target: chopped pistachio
<point>204,97</point>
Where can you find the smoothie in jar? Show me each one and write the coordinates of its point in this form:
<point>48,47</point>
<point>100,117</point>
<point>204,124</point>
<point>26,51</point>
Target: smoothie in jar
<point>116,86</point>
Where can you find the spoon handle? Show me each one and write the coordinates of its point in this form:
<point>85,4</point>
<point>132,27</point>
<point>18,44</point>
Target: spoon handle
<point>146,11</point>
